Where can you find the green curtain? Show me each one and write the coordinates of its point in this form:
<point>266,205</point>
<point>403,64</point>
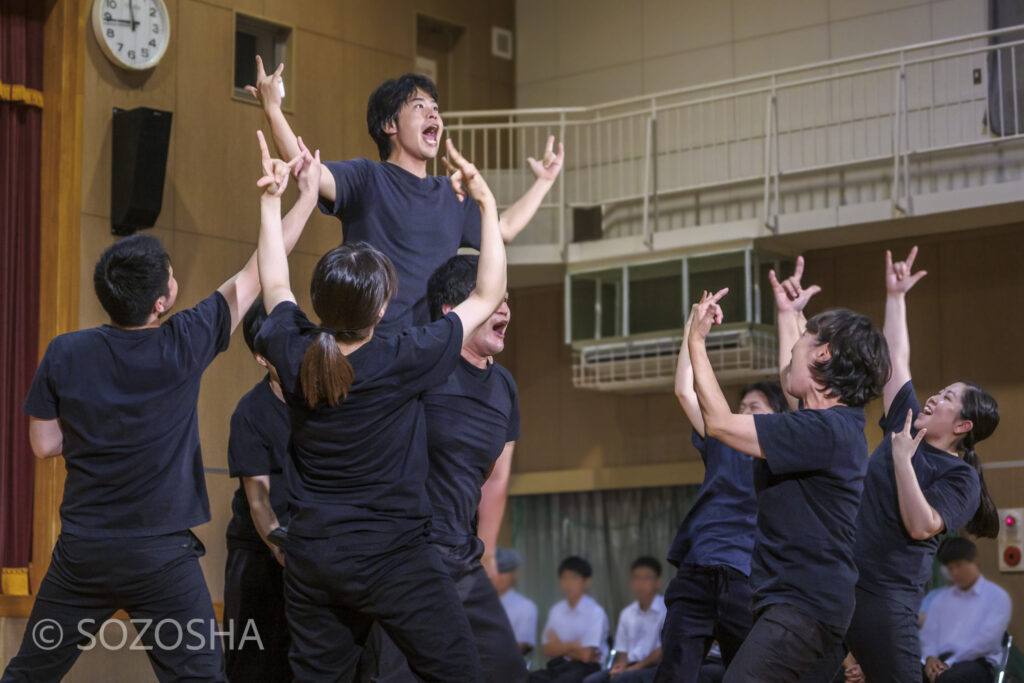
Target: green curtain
<point>608,528</point>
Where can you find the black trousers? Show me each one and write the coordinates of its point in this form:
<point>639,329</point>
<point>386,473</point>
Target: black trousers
<point>254,599</point>
<point>336,588</point>
<point>784,643</point>
<point>496,643</point>
<point>156,579</point>
<point>562,670</point>
<point>978,671</point>
<point>704,604</point>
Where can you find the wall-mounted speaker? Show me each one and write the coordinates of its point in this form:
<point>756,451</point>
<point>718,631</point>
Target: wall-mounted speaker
<point>138,167</point>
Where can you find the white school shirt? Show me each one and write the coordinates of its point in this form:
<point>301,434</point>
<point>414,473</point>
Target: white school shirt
<point>639,633</point>
<point>522,614</point>
<point>587,623</point>
<point>969,623</point>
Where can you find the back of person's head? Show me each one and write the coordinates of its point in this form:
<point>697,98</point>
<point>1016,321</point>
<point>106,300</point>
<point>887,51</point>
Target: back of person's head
<point>773,394</point>
<point>130,276</point>
<point>646,562</point>
<point>980,407</point>
<point>451,284</point>
<point>858,368</point>
<point>252,322</point>
<point>351,285</point>
<point>386,102</point>
<point>577,565</point>
<point>957,549</point>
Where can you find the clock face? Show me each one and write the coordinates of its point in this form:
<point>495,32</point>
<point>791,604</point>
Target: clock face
<point>134,34</point>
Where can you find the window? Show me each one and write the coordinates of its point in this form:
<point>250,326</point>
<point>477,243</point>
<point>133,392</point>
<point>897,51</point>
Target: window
<point>656,297</point>
<point>272,42</point>
<point>715,271</point>
<point>596,304</point>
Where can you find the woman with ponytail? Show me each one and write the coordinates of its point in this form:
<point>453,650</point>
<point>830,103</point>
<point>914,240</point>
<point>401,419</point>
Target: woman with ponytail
<point>923,479</point>
<point>357,547</point>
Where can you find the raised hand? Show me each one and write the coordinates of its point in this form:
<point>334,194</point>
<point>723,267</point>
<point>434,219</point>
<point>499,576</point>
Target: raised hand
<point>707,314</point>
<point>903,444</point>
<point>308,170</point>
<point>465,176</point>
<point>275,171</point>
<point>790,295</point>
<point>268,88</point>
<point>548,167</point>
<point>898,277</point>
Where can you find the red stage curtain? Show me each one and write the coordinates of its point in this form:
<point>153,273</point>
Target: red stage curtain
<point>21,83</point>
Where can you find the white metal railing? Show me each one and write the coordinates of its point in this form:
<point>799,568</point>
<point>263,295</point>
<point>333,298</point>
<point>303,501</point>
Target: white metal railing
<point>873,111</point>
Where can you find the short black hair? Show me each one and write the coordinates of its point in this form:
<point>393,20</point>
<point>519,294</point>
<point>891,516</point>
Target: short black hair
<point>451,284</point>
<point>772,391</point>
<point>957,548</point>
<point>648,562</point>
<point>575,563</point>
<point>130,276</point>
<point>859,366</point>
<point>252,322</point>
<point>387,100</point>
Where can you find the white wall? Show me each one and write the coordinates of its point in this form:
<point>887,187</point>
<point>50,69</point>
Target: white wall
<point>578,52</point>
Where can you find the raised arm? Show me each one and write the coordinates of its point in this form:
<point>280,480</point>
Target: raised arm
<point>491,276</point>
<point>493,496</point>
<point>920,519</point>
<point>898,281</point>
<point>684,380</point>
<point>790,300</point>
<point>242,289</point>
<point>268,91</point>
<point>736,431</point>
<point>516,217</point>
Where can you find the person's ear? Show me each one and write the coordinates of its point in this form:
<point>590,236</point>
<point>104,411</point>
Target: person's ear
<point>824,353</point>
<point>160,305</point>
<point>446,309</point>
<point>390,127</point>
<point>261,360</point>
<point>962,427</point>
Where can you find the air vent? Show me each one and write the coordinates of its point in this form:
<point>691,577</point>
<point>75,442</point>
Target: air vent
<point>501,42</point>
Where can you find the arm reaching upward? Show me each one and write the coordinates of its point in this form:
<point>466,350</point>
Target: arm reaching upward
<point>790,300</point>
<point>545,171</point>
<point>898,281</point>
<point>684,380</point>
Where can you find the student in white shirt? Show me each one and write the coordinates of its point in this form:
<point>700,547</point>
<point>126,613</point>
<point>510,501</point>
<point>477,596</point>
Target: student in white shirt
<point>521,611</point>
<point>576,633</point>
<point>963,633</point>
<point>638,635</point>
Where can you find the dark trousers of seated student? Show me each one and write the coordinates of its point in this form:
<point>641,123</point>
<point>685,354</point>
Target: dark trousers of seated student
<point>635,676</point>
<point>883,639</point>
<point>155,579</point>
<point>978,671</point>
<point>254,604</point>
<point>562,670</point>
<point>704,604</point>
<point>783,645</point>
<point>496,644</point>
<point>335,588</point>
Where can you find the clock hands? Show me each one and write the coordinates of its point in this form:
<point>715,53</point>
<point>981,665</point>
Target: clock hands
<point>108,19</point>
<point>131,13</point>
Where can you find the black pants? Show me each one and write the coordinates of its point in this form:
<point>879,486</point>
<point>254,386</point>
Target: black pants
<point>562,670</point>
<point>978,671</point>
<point>336,588</point>
<point>254,599</point>
<point>156,579</point>
<point>784,643</point>
<point>704,604</point>
<point>495,642</point>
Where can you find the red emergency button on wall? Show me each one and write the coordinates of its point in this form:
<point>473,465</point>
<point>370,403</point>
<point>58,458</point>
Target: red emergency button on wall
<point>1011,556</point>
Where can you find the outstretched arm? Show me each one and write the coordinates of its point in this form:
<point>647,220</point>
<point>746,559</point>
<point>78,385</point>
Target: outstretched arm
<point>491,276</point>
<point>898,281</point>
<point>736,431</point>
<point>268,91</point>
<point>545,171</point>
<point>790,300</point>
<point>493,496</point>
<point>684,380</point>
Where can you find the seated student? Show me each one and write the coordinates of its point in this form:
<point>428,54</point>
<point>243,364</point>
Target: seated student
<point>962,637</point>
<point>357,548</point>
<point>575,636</point>
<point>638,635</point>
<point>521,611</point>
<point>119,402</point>
<point>808,471</point>
<point>254,573</point>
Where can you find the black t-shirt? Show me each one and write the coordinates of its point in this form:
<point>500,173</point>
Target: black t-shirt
<point>419,223</point>
<point>258,446</point>
<point>127,403</point>
<point>808,489</point>
<point>891,563</point>
<point>470,418</point>
<point>719,529</point>
<point>361,466</point>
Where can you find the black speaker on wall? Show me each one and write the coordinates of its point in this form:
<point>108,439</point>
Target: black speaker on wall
<point>138,167</point>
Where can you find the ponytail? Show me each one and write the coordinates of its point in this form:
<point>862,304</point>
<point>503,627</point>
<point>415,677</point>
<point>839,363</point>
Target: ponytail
<point>325,374</point>
<point>981,409</point>
<point>986,518</point>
